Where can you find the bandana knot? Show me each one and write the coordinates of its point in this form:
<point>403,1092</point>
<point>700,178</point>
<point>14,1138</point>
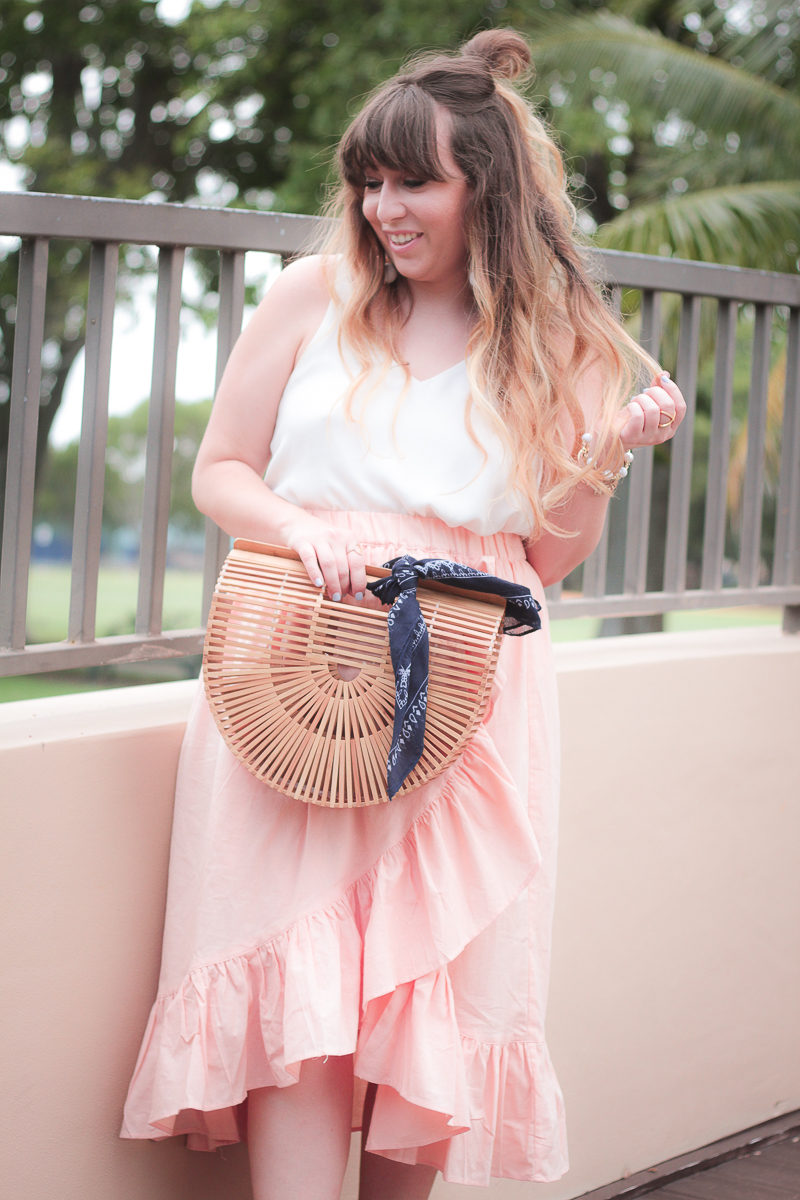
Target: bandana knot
<point>408,644</point>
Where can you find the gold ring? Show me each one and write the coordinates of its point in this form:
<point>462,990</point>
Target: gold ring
<point>664,424</point>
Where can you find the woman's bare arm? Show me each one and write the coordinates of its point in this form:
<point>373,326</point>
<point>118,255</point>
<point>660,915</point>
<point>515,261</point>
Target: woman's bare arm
<point>228,480</point>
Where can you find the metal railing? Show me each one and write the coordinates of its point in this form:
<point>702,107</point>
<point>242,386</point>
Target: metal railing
<point>645,562</point>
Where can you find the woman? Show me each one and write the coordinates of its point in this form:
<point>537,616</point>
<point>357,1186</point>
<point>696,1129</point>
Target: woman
<point>446,383</point>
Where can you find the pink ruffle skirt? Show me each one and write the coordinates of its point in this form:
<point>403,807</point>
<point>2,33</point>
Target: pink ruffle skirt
<point>413,935</point>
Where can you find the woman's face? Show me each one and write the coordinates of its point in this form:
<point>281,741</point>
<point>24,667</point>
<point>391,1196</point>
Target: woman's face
<point>420,222</point>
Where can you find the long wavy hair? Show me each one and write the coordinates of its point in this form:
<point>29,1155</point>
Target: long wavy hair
<point>540,319</point>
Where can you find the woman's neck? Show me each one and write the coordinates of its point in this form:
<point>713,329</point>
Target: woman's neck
<point>436,331</point>
<point>441,298</point>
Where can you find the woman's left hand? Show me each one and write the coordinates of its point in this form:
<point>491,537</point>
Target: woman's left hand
<point>653,415</point>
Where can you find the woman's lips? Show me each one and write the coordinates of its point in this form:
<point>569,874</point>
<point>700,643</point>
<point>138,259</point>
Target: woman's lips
<point>399,241</point>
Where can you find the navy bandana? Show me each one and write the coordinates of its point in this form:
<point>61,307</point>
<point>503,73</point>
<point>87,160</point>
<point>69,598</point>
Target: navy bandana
<point>408,643</point>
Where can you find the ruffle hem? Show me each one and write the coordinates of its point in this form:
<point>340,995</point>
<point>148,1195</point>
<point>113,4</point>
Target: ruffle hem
<point>368,976</point>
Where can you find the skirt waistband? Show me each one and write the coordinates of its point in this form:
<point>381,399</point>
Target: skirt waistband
<point>387,535</point>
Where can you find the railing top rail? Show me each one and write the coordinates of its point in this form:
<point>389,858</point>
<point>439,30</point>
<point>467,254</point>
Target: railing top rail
<point>40,214</point>
<point>722,282</point>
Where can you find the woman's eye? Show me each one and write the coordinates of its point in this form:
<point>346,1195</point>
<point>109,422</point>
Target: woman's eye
<point>372,185</point>
<point>414,183</point>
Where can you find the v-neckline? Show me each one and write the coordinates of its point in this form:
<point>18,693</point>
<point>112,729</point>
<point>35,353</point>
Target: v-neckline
<point>430,378</point>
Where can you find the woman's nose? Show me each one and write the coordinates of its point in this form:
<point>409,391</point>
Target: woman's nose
<point>390,203</point>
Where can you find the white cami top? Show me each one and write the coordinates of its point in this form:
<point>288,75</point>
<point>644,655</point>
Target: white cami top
<point>406,448</point>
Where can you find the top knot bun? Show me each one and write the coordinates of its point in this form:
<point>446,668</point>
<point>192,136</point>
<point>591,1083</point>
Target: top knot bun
<point>505,52</point>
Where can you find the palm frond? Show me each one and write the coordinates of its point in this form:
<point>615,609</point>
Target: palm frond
<point>759,38</point>
<point>710,163</point>
<point>651,69</point>
<point>747,225</point>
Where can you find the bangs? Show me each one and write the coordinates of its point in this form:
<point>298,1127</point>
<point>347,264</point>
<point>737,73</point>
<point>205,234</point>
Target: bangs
<point>397,130</point>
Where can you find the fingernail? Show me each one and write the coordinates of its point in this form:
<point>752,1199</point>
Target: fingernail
<point>359,595</point>
<point>318,582</point>
<point>337,596</point>
<point>664,375</point>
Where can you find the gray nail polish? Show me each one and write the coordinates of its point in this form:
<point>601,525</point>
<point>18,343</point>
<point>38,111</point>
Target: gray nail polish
<point>359,595</point>
<point>337,596</point>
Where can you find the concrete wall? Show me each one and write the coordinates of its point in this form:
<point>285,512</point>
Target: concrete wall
<point>676,972</point>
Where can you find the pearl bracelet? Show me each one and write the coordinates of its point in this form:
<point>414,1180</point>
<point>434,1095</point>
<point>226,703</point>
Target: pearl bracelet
<point>610,478</point>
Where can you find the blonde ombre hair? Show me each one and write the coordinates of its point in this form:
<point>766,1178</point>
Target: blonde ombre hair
<point>540,320</point>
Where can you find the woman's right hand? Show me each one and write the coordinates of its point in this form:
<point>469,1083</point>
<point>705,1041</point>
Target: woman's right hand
<point>332,558</point>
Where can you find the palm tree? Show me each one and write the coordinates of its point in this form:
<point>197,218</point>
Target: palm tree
<point>701,107</point>
<point>681,119</point>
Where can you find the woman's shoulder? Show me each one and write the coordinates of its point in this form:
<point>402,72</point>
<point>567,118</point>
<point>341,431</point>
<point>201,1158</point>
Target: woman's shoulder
<point>297,300</point>
<point>305,281</point>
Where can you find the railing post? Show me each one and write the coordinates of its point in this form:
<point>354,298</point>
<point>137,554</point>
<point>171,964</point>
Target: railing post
<point>791,618</point>
<point>787,521</point>
<point>88,521</point>
<point>680,465</point>
<point>160,440</point>
<point>719,447</point>
<point>26,380</point>
<point>231,313</point>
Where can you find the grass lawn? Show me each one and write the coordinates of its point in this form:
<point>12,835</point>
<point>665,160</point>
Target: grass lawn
<point>117,589</point>
<point>48,609</point>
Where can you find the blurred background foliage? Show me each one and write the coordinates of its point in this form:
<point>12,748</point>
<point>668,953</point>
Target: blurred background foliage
<point>679,121</point>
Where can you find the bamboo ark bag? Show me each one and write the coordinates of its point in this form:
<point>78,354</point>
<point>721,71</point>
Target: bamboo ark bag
<point>303,690</point>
